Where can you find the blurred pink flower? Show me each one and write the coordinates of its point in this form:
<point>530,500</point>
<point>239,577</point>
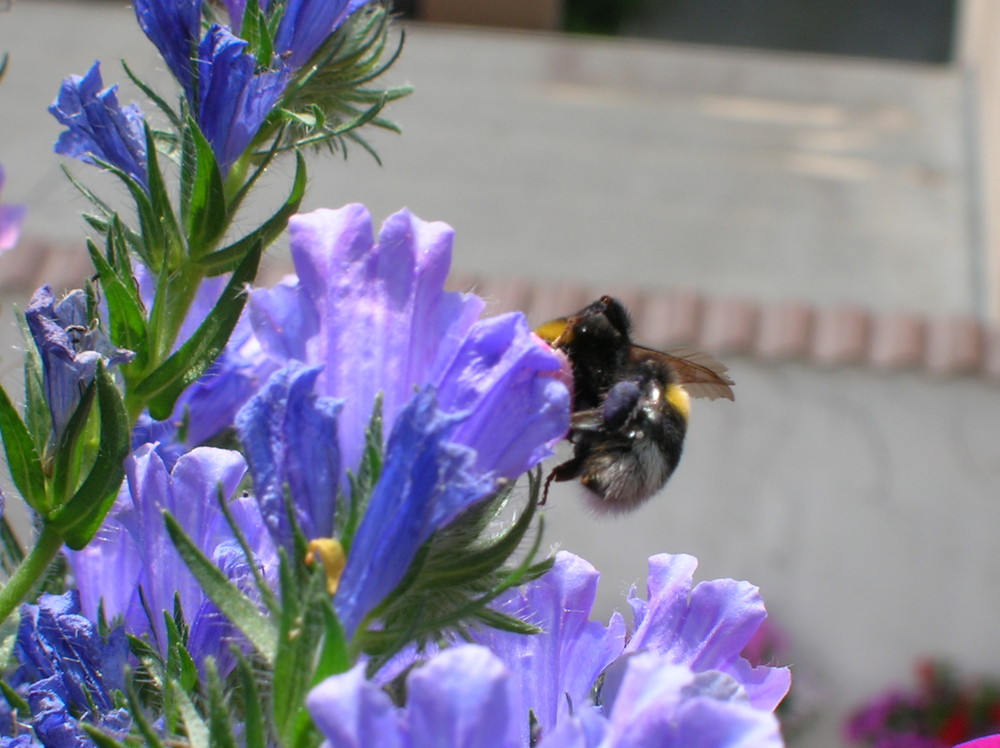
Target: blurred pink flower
<point>11,218</point>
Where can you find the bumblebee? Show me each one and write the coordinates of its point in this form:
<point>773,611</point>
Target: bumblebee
<point>630,407</point>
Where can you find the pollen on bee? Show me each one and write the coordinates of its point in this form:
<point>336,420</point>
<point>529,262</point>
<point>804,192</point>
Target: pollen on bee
<point>330,553</point>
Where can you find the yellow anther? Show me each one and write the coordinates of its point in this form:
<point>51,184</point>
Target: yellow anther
<point>330,553</point>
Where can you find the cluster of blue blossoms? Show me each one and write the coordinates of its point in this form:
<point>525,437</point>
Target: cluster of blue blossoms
<point>334,462</point>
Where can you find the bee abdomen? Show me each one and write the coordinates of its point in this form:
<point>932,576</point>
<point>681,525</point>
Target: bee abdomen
<point>620,479</point>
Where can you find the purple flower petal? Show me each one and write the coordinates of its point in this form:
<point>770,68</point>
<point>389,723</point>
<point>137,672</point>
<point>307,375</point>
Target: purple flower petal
<point>174,26</point>
<point>377,318</point>
<point>353,712</point>
<point>290,437</point>
<point>512,391</point>
<point>68,671</point>
<point>425,483</point>
<point>71,348</point>
<point>462,697</point>
<point>664,704</point>
<point>233,98</point>
<point>133,549</point>
<point>704,627</point>
<point>98,126</point>
<point>556,669</point>
<point>306,24</point>
<point>235,9</point>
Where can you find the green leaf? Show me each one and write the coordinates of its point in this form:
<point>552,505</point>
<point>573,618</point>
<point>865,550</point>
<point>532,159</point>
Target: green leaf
<point>89,194</point>
<point>11,553</point>
<point>22,459</point>
<point>155,98</point>
<point>127,317</point>
<point>37,417</point>
<point>166,228</point>
<point>236,606</point>
<point>70,450</point>
<point>101,739</point>
<point>229,257</point>
<point>80,517</point>
<point>164,385</point>
<point>254,726</point>
<point>334,657</point>
<point>139,718</point>
<point>219,721</point>
<point>180,664</point>
<point>15,699</point>
<point>197,731</point>
<point>302,623</point>
<point>266,593</point>
<point>203,198</point>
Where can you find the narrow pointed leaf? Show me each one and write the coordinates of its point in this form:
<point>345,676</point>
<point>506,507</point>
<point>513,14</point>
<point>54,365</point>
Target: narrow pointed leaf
<point>254,726</point>
<point>80,517</point>
<point>219,721</point>
<point>236,606</point>
<point>154,97</point>
<point>87,193</point>
<point>101,739</point>
<point>125,310</point>
<point>22,459</point>
<point>229,257</point>
<point>163,386</point>
<point>163,211</point>
<point>206,216</point>
<point>197,731</point>
<point>70,450</point>
<point>146,729</point>
<point>302,625</point>
<point>37,417</point>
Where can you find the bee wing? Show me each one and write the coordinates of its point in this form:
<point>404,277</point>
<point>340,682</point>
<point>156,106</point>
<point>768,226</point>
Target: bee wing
<point>701,374</point>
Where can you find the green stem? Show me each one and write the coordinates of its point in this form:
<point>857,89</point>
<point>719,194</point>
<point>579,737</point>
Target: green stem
<point>30,571</point>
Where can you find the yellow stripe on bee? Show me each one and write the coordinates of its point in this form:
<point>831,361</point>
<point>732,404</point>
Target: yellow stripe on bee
<point>551,331</point>
<point>679,400</point>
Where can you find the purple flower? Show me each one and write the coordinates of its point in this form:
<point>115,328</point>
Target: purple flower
<point>98,126</point>
<point>702,630</point>
<point>71,345</point>
<point>68,672</point>
<point>463,697</point>
<point>230,99</point>
<point>233,99</point>
<point>426,482</point>
<point>376,317</point>
<point>174,26</point>
<point>290,436</point>
<point>656,702</point>
<point>304,25</point>
<point>557,669</point>
<point>133,567</point>
<point>466,696</point>
<point>11,218</point>
<point>704,626</point>
<point>466,404</point>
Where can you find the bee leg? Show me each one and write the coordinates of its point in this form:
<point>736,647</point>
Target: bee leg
<point>563,472</point>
